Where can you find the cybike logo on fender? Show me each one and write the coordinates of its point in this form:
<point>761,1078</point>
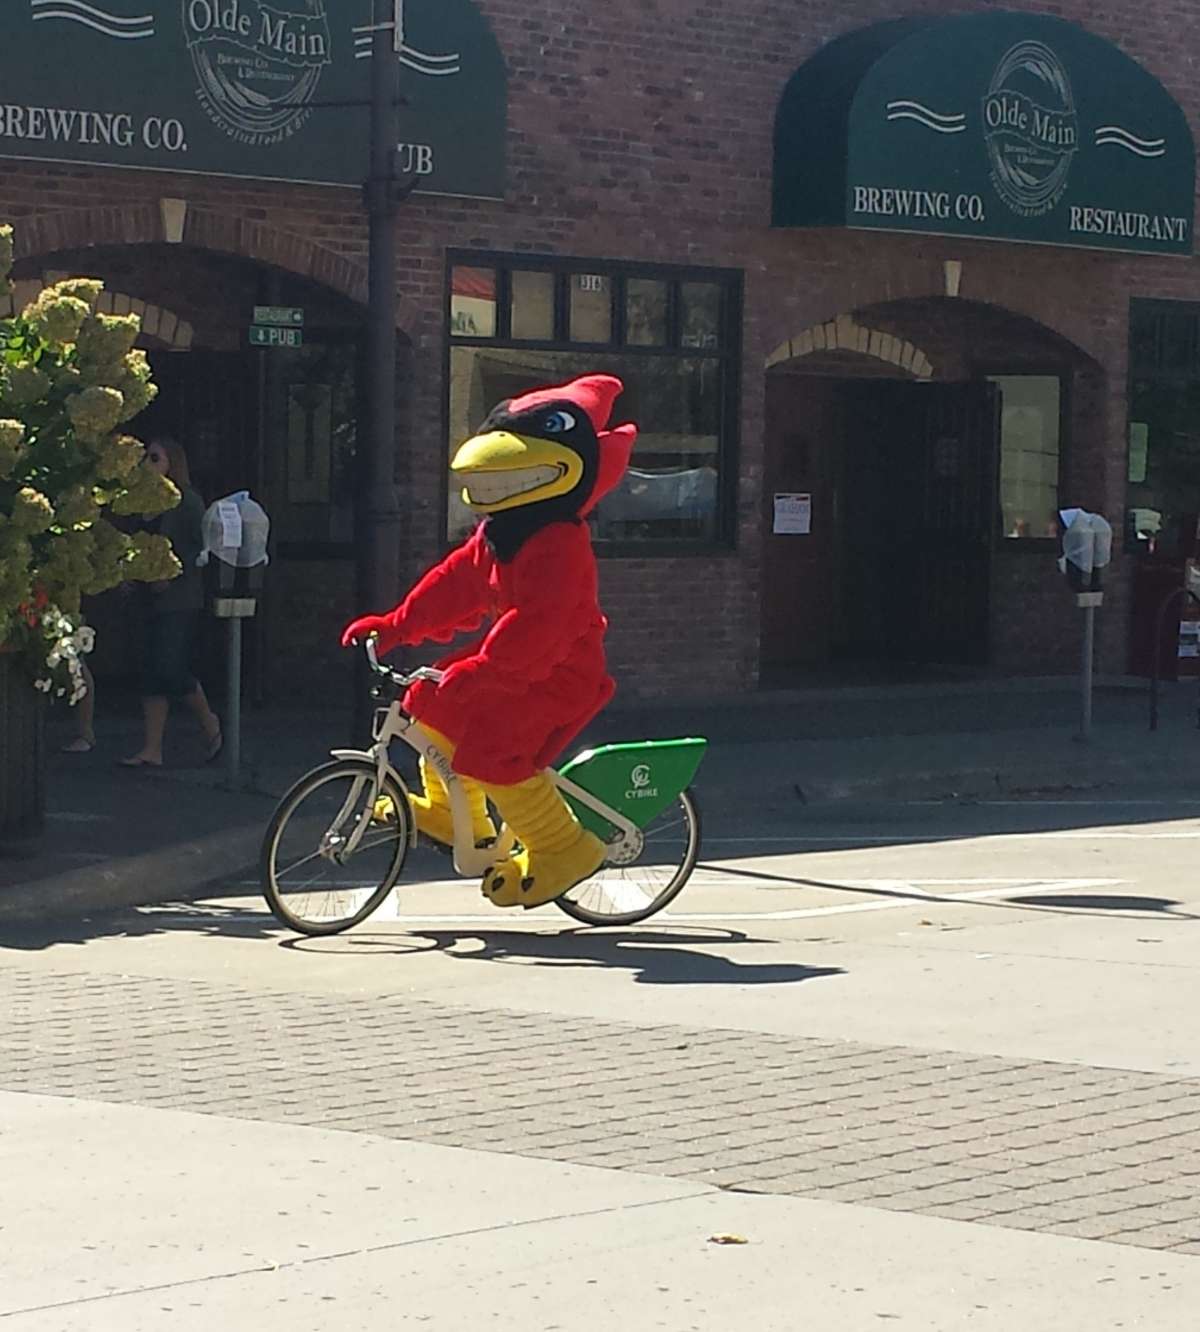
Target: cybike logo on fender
<point>258,63</point>
<point>641,778</point>
<point>1031,128</point>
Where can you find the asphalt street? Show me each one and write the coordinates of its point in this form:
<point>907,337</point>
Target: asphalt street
<point>937,1063</point>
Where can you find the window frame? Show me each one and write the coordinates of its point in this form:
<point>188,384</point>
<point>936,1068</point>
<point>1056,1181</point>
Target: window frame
<point>1033,545</point>
<point>728,355</point>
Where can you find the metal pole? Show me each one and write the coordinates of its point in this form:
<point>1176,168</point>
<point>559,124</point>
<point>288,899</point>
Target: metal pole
<point>381,563</point>
<point>1089,648</point>
<point>378,571</point>
<point>233,704</point>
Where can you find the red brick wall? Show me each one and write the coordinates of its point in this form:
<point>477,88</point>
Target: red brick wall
<point>644,131</point>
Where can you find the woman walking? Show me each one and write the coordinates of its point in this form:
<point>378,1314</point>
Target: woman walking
<point>172,618</point>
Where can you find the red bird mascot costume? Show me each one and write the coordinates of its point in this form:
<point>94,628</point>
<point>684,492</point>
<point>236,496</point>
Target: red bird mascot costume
<point>510,703</point>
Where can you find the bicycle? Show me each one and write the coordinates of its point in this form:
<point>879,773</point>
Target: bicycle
<point>347,856</point>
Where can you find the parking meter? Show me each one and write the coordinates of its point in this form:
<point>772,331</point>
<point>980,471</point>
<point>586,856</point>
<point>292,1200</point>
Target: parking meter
<point>235,531</point>
<point>1087,550</point>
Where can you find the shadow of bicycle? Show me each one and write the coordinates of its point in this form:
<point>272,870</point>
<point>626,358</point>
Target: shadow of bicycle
<point>666,957</point>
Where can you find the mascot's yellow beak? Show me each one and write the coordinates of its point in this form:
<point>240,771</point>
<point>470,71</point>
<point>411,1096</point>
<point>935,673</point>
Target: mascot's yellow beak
<point>501,470</point>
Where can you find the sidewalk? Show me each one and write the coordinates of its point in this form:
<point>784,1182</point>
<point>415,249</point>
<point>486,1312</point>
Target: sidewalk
<point>116,837</point>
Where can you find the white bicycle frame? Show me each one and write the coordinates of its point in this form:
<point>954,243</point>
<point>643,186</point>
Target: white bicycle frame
<point>393,723</point>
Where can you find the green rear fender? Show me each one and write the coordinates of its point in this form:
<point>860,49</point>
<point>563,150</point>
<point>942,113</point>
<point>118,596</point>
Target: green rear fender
<point>638,779</point>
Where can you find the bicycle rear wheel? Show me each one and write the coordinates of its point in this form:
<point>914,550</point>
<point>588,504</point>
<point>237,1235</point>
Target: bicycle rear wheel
<point>311,882</point>
<point>627,894</point>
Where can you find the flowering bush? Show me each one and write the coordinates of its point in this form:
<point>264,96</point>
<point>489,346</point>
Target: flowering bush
<point>69,379</point>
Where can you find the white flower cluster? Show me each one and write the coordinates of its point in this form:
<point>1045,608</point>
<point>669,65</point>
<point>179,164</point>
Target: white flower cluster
<point>68,643</point>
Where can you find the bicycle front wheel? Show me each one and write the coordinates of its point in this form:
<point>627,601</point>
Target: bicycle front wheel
<point>627,894</point>
<point>334,850</point>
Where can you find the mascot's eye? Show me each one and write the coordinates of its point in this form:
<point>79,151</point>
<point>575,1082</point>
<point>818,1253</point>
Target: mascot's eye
<point>558,423</point>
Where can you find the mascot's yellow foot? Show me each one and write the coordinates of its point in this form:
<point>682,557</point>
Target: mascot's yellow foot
<point>532,878</point>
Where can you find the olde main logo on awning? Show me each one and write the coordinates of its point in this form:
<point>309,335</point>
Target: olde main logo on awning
<point>1031,129</point>
<point>258,64</point>
<point>273,89</point>
<point>1005,126</point>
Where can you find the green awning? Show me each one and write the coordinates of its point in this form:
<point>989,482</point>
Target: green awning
<point>1016,127</point>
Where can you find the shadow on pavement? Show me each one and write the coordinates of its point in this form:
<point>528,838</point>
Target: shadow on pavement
<point>1062,904</point>
<point>1108,903</point>
<point>139,922</point>
<point>654,958</point>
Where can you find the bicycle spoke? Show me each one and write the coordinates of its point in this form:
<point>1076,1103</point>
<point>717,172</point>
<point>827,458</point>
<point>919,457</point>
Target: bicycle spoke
<point>627,893</point>
<point>316,879</point>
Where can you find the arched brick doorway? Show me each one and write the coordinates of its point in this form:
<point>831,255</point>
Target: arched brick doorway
<point>174,222</point>
<point>280,423</point>
<point>932,539</point>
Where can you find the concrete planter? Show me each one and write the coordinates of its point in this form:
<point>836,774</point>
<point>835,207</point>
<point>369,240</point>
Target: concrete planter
<point>22,754</point>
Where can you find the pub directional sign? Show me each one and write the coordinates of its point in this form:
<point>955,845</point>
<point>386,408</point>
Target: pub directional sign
<point>254,88</point>
<point>1011,126</point>
<point>273,336</point>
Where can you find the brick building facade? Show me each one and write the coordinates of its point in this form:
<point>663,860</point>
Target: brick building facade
<point>642,134</point>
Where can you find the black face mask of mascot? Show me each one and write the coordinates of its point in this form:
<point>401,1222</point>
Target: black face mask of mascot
<point>508,530</point>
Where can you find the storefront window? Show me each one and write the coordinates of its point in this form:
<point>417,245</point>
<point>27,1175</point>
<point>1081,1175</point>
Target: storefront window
<point>473,302</point>
<point>1030,441</point>
<point>532,306</point>
<point>591,307</point>
<point>678,391</point>
<point>646,312</point>
<point>701,314</point>
<point>1163,494</point>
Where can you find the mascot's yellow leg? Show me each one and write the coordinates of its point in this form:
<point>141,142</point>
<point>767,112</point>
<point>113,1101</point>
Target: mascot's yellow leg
<point>431,810</point>
<point>557,851</point>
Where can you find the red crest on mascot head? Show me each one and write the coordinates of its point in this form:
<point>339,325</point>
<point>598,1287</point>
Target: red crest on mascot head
<point>595,395</point>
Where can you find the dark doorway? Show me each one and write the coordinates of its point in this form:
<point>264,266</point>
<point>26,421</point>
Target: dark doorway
<point>893,579</point>
<point>208,401</point>
<point>282,425</point>
<point>917,487</point>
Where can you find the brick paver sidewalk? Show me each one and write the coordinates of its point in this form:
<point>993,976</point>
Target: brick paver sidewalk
<point>1089,1152</point>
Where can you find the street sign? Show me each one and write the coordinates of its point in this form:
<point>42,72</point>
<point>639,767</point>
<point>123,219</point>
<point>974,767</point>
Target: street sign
<point>288,316</point>
<point>275,337</point>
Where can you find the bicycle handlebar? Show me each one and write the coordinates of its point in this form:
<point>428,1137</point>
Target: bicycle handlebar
<point>401,678</point>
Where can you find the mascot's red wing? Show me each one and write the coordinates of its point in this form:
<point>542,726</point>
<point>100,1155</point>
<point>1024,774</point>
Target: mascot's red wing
<point>513,701</point>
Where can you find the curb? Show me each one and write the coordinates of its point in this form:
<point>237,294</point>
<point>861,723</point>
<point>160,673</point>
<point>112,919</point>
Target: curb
<point>982,782</point>
<point>802,787</point>
<point>168,874</point>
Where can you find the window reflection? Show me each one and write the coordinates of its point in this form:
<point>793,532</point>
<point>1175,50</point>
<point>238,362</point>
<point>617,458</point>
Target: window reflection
<point>646,313</point>
<point>701,310</point>
<point>1030,430</point>
<point>670,491</point>
<point>473,302</point>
